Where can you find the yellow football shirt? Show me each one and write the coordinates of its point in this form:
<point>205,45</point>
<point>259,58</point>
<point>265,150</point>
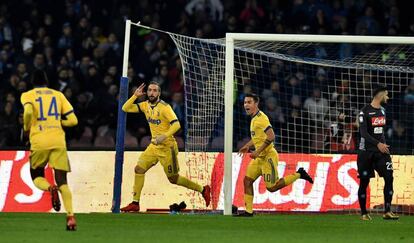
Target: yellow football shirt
<point>160,117</point>
<point>48,107</point>
<point>258,126</point>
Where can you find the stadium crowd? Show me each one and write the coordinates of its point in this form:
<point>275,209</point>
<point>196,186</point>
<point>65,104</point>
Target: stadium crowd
<point>81,51</point>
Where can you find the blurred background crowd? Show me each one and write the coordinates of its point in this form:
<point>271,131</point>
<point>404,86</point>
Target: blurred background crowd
<point>79,44</point>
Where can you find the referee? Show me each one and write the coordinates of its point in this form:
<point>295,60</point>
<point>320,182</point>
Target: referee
<point>374,153</point>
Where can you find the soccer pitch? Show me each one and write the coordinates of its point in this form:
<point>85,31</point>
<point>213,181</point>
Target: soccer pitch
<point>41,227</point>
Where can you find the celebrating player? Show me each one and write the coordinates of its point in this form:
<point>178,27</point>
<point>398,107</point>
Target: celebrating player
<point>265,156</point>
<point>374,153</point>
<point>163,148</point>
<point>45,112</point>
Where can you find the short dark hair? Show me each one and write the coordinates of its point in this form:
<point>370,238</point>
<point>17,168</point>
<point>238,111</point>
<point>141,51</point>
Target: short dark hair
<point>378,89</point>
<point>155,83</point>
<point>39,78</point>
<point>255,97</point>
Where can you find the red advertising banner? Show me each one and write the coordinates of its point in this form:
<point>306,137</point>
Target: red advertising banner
<point>91,181</point>
<point>335,184</point>
<point>17,191</point>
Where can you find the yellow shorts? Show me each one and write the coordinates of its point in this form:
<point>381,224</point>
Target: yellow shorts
<point>265,166</point>
<point>56,158</point>
<point>167,155</point>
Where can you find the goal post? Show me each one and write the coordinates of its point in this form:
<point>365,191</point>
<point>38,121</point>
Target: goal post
<point>121,124</point>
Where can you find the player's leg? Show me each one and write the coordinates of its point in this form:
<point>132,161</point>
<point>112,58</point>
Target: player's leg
<point>362,197</point>
<point>365,172</point>
<point>169,161</point>
<point>270,174</point>
<point>38,161</point>
<point>59,161</point>
<point>147,159</point>
<point>252,173</point>
<point>383,165</point>
<point>39,180</point>
<point>61,181</point>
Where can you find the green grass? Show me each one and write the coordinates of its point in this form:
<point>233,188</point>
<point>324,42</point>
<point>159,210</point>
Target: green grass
<point>39,227</point>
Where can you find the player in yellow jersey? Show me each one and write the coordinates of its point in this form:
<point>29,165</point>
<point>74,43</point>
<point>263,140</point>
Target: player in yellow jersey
<point>163,148</point>
<point>45,112</point>
<point>265,157</point>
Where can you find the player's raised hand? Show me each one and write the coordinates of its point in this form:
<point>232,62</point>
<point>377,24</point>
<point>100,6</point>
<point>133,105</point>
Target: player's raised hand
<point>384,148</point>
<point>139,92</point>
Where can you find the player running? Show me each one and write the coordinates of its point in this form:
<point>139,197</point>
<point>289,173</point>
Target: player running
<point>163,124</point>
<point>45,112</point>
<point>265,157</point>
<point>374,153</point>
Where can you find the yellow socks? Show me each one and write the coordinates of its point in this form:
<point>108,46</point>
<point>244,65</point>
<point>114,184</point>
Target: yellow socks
<point>67,199</point>
<point>291,178</point>
<point>248,201</point>
<point>182,181</point>
<point>41,183</point>
<point>138,184</point>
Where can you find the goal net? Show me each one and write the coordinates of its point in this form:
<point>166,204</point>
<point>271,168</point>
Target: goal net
<point>312,93</point>
<point>311,88</point>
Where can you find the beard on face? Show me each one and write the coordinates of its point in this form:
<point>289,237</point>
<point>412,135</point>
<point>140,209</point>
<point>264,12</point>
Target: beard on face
<point>153,99</point>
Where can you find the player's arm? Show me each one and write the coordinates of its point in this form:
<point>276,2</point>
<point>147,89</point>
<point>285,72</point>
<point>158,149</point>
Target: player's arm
<point>174,126</point>
<point>365,134</point>
<point>129,105</point>
<point>27,112</point>
<point>270,137</point>
<point>27,116</point>
<point>68,117</point>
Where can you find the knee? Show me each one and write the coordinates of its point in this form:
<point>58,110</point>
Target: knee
<point>279,185</point>
<point>247,181</point>
<point>60,177</point>
<point>39,172</point>
<point>173,179</point>
<point>139,170</point>
<point>273,188</point>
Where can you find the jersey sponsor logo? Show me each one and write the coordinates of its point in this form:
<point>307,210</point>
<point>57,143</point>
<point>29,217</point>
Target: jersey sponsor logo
<point>378,121</point>
<point>378,130</point>
<point>372,113</point>
<point>154,121</point>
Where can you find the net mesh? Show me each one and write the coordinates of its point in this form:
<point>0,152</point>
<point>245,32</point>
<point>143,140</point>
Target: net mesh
<point>311,93</point>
